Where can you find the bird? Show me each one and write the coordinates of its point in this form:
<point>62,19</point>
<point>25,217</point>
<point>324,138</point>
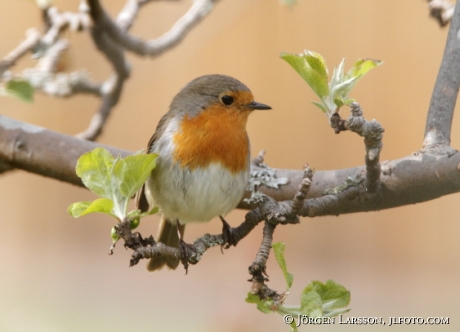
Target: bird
<point>203,160</point>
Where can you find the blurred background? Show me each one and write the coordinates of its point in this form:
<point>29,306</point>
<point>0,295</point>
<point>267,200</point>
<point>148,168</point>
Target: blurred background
<point>56,271</point>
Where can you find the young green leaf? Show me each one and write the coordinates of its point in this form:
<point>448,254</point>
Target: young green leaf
<point>313,69</point>
<point>101,205</point>
<point>313,76</point>
<point>95,170</point>
<point>337,74</point>
<point>342,89</point>
<point>362,66</point>
<point>136,171</point>
<point>20,89</point>
<point>278,249</point>
<point>317,63</point>
<point>324,300</point>
<point>310,302</point>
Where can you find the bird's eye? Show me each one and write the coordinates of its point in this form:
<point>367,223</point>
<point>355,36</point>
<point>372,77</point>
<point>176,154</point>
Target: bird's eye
<point>227,100</point>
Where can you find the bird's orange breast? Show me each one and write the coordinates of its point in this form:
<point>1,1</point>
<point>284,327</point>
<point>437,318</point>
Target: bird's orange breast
<point>217,134</point>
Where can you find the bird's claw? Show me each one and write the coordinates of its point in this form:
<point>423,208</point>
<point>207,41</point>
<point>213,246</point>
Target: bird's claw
<point>229,234</point>
<point>186,250</point>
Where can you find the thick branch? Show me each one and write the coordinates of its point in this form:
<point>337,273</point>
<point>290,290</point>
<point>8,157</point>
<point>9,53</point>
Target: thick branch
<point>441,111</point>
<point>416,178</point>
<point>41,151</point>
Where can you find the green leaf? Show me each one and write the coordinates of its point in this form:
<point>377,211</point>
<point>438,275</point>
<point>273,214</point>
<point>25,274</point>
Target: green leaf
<point>342,89</point>
<point>116,179</point>
<point>317,63</point>
<point>20,89</point>
<point>136,170</point>
<point>337,74</point>
<point>101,205</point>
<point>324,300</point>
<point>313,76</point>
<point>310,302</point>
<point>278,249</point>
<point>362,66</point>
<point>95,170</point>
<point>262,305</point>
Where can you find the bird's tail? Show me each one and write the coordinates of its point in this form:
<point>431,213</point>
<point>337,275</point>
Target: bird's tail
<point>167,234</point>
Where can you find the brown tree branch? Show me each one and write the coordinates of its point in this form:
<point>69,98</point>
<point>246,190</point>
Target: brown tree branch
<point>154,47</point>
<point>372,132</point>
<point>32,39</point>
<point>112,39</point>
<point>413,179</point>
<point>444,97</point>
<point>49,47</point>
<point>128,14</point>
<point>148,248</point>
<point>41,151</point>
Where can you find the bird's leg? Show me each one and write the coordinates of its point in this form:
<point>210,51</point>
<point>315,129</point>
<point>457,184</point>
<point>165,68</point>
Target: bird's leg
<point>185,248</point>
<point>229,234</point>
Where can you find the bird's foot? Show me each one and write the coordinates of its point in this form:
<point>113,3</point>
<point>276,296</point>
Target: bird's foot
<point>186,250</point>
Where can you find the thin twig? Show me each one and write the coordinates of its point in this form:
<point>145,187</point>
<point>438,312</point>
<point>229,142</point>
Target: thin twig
<point>113,86</point>
<point>372,132</point>
<point>49,62</point>
<point>128,14</point>
<point>304,188</point>
<point>258,267</point>
<point>151,249</point>
<point>154,47</point>
<point>32,39</point>
<point>49,48</point>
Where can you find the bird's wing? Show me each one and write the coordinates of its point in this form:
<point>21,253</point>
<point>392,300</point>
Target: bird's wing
<point>141,199</point>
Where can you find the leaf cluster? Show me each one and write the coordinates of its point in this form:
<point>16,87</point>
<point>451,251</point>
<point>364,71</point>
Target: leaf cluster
<point>317,300</point>
<point>115,181</point>
<point>333,94</point>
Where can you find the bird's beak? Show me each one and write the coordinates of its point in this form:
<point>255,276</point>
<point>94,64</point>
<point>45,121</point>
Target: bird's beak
<point>258,106</point>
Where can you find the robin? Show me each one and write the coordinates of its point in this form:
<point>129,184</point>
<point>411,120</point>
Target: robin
<point>204,158</point>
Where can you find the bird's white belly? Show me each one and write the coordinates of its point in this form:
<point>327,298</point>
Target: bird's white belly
<point>197,195</point>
